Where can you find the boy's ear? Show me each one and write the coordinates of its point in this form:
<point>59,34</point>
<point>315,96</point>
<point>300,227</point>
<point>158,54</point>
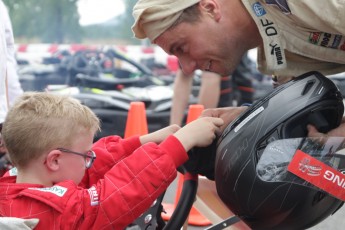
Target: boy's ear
<point>210,7</point>
<point>53,160</point>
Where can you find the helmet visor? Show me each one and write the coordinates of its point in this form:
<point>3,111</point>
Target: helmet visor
<point>314,162</point>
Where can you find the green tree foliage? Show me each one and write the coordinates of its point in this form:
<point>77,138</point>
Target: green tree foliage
<point>124,29</point>
<point>57,21</point>
<point>117,29</point>
<point>49,21</point>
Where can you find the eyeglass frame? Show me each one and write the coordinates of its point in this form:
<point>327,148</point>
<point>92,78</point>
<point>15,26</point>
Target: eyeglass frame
<point>87,164</point>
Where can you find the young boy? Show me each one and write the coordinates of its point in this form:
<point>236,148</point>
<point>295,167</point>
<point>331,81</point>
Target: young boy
<point>50,142</point>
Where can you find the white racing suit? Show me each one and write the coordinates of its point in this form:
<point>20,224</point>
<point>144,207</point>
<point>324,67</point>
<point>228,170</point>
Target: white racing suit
<point>299,36</point>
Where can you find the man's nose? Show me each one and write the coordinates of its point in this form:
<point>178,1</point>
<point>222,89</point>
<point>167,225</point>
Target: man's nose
<point>188,66</point>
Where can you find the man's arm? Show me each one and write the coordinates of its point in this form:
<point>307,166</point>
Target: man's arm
<point>210,90</point>
<point>182,89</point>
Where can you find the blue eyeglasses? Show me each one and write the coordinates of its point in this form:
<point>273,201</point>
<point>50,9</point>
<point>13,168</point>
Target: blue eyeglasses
<point>89,157</point>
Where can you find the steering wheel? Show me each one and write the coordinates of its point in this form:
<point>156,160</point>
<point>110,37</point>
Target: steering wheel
<point>151,219</point>
<point>201,162</point>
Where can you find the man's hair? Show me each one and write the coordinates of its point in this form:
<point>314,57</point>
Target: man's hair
<point>153,17</point>
<point>39,122</point>
<point>189,15</point>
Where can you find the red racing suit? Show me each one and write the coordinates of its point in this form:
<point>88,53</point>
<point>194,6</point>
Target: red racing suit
<point>123,182</point>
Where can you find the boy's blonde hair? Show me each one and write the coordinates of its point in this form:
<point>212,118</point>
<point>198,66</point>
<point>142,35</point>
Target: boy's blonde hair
<point>39,122</point>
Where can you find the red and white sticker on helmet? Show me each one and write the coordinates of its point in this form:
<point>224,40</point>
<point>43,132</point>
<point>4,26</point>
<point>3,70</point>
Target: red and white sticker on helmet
<point>318,173</point>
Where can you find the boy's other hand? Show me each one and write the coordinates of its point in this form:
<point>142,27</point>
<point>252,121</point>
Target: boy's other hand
<point>199,133</point>
<point>159,135</point>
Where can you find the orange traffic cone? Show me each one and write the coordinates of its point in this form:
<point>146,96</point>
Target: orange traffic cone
<point>195,217</point>
<point>136,123</point>
<point>194,112</point>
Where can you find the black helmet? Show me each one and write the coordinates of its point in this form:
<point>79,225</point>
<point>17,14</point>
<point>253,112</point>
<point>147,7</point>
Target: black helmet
<point>284,113</point>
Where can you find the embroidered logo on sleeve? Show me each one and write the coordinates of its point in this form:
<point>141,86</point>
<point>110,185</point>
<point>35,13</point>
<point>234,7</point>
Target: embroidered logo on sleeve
<point>57,190</point>
<point>334,41</point>
<point>259,10</point>
<point>94,198</point>
<point>270,33</point>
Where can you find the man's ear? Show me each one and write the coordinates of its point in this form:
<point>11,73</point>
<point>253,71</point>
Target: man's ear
<point>211,7</point>
<point>53,160</point>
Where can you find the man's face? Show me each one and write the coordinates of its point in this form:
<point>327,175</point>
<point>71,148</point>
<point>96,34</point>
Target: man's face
<point>203,45</point>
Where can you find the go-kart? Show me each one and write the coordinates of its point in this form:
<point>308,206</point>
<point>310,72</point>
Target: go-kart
<point>63,67</point>
<point>36,73</point>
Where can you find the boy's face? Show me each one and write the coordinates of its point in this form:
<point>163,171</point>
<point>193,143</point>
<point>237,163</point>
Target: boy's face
<point>73,165</point>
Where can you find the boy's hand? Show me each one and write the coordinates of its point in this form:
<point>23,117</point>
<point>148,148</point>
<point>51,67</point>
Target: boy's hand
<point>159,135</point>
<point>199,133</point>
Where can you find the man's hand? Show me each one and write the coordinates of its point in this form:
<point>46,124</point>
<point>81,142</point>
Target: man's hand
<point>337,132</point>
<point>228,114</point>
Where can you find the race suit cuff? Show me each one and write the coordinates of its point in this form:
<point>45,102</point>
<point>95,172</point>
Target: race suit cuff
<point>174,148</point>
<point>131,143</point>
